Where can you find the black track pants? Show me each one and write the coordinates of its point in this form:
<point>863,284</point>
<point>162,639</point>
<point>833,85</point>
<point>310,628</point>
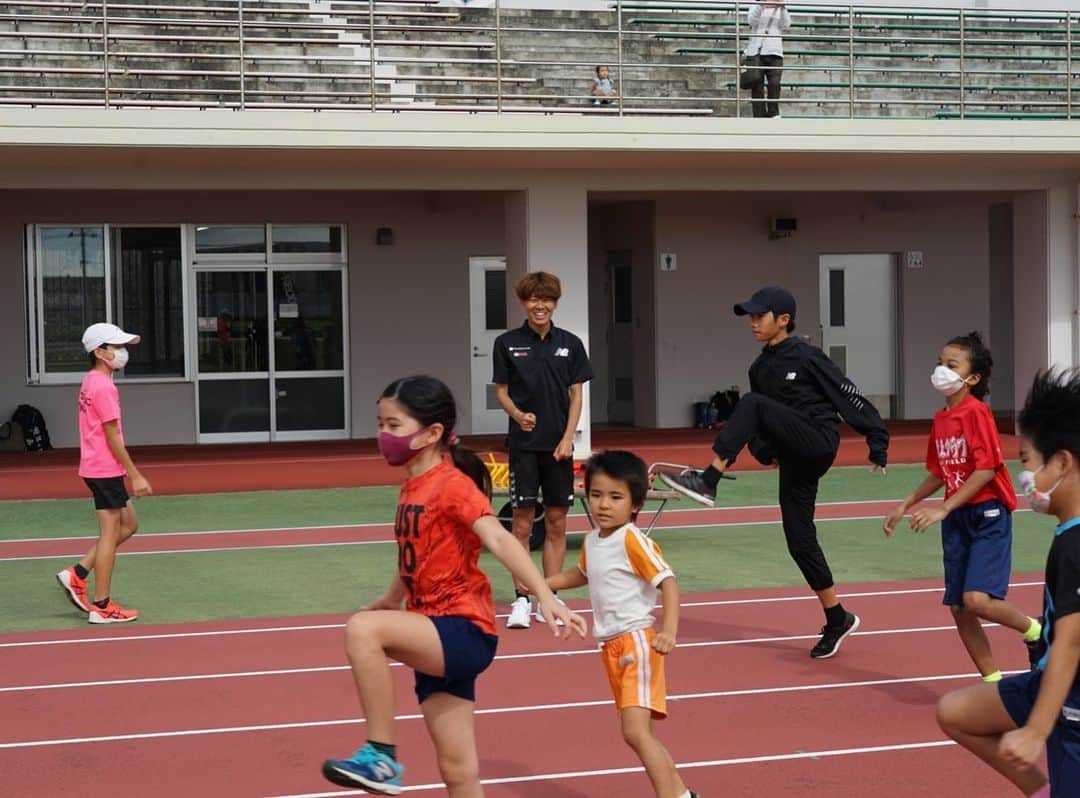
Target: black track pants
<point>805,451</point>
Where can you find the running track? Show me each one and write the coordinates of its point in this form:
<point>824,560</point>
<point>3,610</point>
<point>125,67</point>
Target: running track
<point>251,708</point>
<point>41,548</point>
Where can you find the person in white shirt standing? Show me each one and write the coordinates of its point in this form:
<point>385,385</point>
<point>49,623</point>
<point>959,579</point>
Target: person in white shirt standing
<point>626,572</point>
<point>765,51</point>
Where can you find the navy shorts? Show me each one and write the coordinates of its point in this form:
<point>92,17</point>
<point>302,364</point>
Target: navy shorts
<point>109,492</point>
<point>976,541</point>
<point>536,473</point>
<point>467,652</point>
<point>1018,694</point>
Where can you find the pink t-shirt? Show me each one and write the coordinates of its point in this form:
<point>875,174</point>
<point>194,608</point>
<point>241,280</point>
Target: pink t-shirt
<point>99,403</point>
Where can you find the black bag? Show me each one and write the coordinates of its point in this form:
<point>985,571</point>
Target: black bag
<point>724,403</point>
<point>752,75</point>
<point>35,433</point>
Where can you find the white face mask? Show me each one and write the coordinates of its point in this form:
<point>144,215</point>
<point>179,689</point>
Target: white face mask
<point>947,381</point>
<point>1038,499</point>
<point>120,359</point>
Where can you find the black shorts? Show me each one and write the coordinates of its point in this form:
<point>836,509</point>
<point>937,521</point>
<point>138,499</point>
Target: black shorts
<point>533,474</point>
<point>109,492</point>
<point>467,652</point>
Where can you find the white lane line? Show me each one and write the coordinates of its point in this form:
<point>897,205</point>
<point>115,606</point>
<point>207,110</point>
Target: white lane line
<point>210,550</point>
<point>568,652</point>
<point>712,763</point>
<point>388,541</point>
<point>604,702</point>
<point>389,524</point>
<point>311,627</point>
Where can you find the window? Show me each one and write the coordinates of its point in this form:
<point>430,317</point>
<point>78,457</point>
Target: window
<point>245,241</point>
<point>71,270</point>
<point>148,298</point>
<point>306,238</point>
<point>132,276</point>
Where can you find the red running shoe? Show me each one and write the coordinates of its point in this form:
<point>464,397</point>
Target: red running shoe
<point>113,613</point>
<point>74,587</point>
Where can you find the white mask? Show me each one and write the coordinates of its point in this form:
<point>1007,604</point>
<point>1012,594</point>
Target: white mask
<point>1039,500</point>
<point>947,381</point>
<point>120,359</point>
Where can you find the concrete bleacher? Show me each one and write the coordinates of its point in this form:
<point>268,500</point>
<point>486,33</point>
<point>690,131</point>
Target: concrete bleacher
<point>668,57</point>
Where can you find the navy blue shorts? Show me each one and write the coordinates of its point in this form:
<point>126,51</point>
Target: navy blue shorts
<point>976,541</point>
<point>467,652</point>
<point>1018,694</point>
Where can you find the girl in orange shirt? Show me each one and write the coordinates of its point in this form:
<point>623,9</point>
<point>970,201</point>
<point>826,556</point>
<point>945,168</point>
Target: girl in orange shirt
<point>446,631</point>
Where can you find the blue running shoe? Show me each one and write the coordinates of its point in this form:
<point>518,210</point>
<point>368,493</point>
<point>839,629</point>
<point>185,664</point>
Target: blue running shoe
<point>367,769</point>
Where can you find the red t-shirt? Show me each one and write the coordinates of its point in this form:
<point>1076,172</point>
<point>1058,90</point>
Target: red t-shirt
<point>438,550</point>
<point>964,440</point>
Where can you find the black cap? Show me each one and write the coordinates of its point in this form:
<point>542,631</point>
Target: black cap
<point>771,297</point>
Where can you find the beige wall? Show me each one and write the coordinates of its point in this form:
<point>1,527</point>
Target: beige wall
<point>724,253</point>
<point>408,302</point>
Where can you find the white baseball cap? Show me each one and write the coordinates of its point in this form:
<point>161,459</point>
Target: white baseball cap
<point>97,335</point>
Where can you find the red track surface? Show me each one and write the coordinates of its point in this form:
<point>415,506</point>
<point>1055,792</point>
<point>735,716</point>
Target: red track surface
<point>217,469</point>
<point>521,743</point>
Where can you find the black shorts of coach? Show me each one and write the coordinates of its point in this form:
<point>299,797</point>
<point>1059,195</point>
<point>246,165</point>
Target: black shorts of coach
<point>535,474</point>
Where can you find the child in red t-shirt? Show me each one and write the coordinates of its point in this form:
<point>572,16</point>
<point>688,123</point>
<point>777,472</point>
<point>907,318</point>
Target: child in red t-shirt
<point>446,632</point>
<point>964,455</point>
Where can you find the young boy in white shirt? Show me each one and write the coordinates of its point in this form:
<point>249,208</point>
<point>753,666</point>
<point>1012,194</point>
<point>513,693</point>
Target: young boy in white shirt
<point>624,571</point>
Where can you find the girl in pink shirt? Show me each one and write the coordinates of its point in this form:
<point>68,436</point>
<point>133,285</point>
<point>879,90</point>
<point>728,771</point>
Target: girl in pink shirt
<point>103,464</point>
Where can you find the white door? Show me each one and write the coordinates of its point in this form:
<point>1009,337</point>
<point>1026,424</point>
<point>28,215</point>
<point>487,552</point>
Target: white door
<point>858,322</point>
<point>487,321</point>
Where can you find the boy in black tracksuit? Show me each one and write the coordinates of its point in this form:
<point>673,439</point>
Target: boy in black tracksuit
<point>790,418</point>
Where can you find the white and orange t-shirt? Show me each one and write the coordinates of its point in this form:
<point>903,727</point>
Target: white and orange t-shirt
<point>624,570</point>
<point>99,403</point>
<point>438,551</point>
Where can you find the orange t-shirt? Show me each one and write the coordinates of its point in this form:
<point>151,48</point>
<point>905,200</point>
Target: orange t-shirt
<point>438,552</point>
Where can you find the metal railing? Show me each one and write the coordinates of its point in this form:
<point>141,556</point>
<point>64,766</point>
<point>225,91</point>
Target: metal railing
<point>679,57</point>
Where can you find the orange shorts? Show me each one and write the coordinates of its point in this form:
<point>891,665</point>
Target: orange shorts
<point>636,672</point>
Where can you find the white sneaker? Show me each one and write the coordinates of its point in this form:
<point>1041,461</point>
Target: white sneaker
<point>519,614</point>
<point>540,615</point>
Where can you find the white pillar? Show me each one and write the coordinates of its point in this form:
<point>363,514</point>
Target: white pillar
<point>1046,285</point>
<point>1062,274</point>
<point>547,230</point>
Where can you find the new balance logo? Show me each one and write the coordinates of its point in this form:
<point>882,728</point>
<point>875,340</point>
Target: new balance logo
<point>383,770</point>
<point>791,375</point>
<point>562,352</point>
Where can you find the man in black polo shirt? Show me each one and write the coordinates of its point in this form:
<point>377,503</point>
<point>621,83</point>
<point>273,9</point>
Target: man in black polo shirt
<point>538,373</point>
<point>791,419</point>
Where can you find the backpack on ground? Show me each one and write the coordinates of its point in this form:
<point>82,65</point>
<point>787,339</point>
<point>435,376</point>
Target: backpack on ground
<point>724,403</point>
<point>35,433</point>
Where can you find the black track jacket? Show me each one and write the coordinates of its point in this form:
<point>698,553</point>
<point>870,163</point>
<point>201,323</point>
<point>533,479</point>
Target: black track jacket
<point>802,377</point>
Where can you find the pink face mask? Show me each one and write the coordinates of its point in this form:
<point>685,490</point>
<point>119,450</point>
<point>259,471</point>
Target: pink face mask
<point>398,449</point>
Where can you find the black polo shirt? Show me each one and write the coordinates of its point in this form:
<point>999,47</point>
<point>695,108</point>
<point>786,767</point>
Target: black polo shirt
<point>539,372</point>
